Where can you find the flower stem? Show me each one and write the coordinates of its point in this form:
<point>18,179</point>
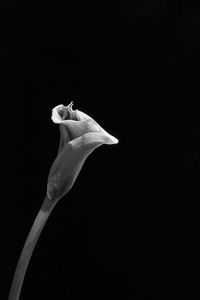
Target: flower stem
<point>29,246</point>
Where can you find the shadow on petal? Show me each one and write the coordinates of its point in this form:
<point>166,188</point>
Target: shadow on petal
<point>69,162</point>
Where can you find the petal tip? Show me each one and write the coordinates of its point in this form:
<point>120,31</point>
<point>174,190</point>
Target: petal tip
<point>114,140</point>
<point>110,139</point>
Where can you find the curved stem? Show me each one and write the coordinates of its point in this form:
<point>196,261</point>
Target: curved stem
<point>29,246</point>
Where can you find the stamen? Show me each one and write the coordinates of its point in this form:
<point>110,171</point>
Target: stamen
<point>70,105</point>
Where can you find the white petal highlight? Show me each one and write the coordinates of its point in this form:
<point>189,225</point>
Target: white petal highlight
<point>56,118</point>
<point>85,122</point>
<point>82,116</point>
<point>110,138</point>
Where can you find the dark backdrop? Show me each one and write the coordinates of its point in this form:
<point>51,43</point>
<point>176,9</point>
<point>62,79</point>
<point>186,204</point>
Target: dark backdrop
<point>127,228</point>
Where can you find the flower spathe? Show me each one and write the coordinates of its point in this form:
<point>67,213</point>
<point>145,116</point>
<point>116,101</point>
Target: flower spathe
<point>79,136</point>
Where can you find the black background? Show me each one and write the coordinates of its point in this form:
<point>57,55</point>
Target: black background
<point>127,229</point>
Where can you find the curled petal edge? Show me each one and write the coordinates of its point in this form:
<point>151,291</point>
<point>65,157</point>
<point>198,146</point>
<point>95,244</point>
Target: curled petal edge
<point>70,160</point>
<point>56,118</point>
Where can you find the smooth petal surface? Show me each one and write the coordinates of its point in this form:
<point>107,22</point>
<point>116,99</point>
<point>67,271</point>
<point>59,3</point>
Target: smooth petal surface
<point>60,113</point>
<point>73,129</point>
<point>82,116</point>
<point>64,137</point>
<point>79,124</point>
<point>75,114</point>
<point>95,127</point>
<point>79,136</point>
<point>69,162</point>
<point>55,116</point>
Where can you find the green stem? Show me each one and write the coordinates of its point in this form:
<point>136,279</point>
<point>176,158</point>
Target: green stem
<point>29,246</point>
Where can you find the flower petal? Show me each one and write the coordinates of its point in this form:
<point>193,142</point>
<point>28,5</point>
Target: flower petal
<point>69,162</point>
<point>75,124</point>
<point>82,116</point>
<point>76,129</point>
<point>56,118</point>
<point>64,137</point>
<point>61,113</point>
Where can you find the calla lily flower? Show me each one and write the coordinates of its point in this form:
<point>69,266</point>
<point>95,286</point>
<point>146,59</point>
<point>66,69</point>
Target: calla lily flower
<point>79,136</point>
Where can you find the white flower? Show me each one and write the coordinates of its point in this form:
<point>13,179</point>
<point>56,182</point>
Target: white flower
<point>79,136</point>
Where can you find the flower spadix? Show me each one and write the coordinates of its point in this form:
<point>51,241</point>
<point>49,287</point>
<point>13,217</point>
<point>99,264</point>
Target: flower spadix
<point>79,136</point>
